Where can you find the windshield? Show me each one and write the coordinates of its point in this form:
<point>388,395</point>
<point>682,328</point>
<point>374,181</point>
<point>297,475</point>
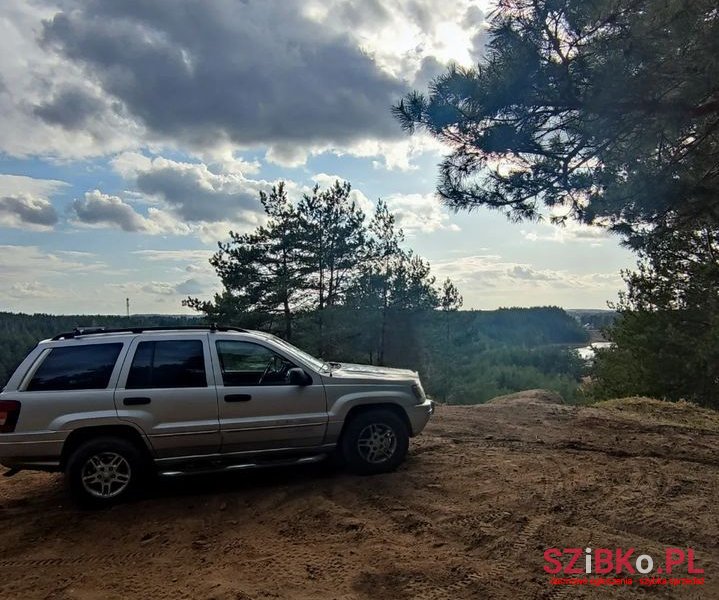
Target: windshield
<point>316,363</point>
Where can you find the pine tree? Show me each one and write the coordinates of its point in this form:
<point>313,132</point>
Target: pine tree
<point>605,111</point>
<point>667,337</point>
<point>332,242</point>
<point>262,272</point>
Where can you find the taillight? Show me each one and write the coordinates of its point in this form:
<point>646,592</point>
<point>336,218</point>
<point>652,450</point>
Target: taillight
<point>9,412</point>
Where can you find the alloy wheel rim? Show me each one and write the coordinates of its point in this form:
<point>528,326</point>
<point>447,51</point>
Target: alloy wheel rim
<point>106,475</point>
<point>377,443</point>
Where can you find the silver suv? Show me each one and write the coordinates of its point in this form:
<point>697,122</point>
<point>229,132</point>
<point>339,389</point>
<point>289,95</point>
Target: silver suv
<point>112,407</point>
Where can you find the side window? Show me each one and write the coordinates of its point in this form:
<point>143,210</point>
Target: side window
<point>86,367</point>
<point>245,363</point>
<point>168,364</point>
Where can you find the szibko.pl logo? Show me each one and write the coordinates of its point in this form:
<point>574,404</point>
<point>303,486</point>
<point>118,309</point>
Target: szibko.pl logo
<point>620,565</point>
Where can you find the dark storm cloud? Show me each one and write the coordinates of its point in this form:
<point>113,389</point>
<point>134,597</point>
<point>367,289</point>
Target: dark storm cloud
<point>255,72</point>
<point>71,109</point>
<point>26,210</point>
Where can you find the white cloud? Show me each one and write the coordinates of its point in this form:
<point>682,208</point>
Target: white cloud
<point>193,193</point>
<point>41,95</point>
<point>292,155</point>
<point>11,185</point>
<point>419,213</point>
<point>403,36</point>
<point>569,232</point>
<point>26,261</point>
<point>32,289</point>
<point>168,292</point>
<point>196,261</point>
<point>325,181</point>
<point>34,278</point>
<point>174,255</point>
<point>487,279</point>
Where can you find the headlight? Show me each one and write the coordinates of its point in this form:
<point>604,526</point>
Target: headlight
<point>418,392</point>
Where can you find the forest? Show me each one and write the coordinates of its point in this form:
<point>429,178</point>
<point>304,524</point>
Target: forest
<point>464,357</point>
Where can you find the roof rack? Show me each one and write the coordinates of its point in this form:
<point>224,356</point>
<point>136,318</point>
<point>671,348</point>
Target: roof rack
<point>79,331</point>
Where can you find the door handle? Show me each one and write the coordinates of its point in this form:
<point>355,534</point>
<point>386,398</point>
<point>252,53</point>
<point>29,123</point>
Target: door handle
<point>136,401</point>
<point>238,397</point>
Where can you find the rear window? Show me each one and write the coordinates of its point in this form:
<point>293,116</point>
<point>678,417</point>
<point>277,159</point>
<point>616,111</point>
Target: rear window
<point>86,367</point>
<point>168,364</point>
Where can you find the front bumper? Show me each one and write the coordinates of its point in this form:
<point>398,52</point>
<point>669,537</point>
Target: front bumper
<point>419,415</point>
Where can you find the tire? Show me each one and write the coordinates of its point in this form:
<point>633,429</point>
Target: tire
<point>375,441</point>
<point>105,471</point>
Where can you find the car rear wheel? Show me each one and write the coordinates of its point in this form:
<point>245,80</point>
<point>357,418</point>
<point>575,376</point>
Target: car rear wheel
<point>104,471</point>
<point>375,441</point>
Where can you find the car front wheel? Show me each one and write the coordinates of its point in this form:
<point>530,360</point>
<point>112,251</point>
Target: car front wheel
<point>375,441</point>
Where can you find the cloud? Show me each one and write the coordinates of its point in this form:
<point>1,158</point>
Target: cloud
<point>192,192</point>
<point>196,261</point>
<point>25,204</point>
<point>33,289</point>
<point>419,213</point>
<point>71,108</point>
<point>48,106</point>
<point>569,232</point>
<point>166,289</point>
<point>99,209</point>
<point>27,212</point>
<point>190,287</point>
<point>325,181</point>
<point>174,255</point>
<point>87,78</point>
<point>485,272</point>
<point>11,185</point>
<point>223,75</point>
<point>23,263</point>
<point>401,37</point>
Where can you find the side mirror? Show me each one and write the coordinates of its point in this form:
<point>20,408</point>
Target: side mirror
<point>297,376</point>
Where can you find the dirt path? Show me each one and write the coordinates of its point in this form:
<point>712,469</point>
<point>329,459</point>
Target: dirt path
<point>485,491</point>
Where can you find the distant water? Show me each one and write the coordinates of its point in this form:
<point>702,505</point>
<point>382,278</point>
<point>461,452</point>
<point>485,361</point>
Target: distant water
<point>587,352</point>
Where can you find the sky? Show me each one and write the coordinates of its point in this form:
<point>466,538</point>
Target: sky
<point>134,135</point>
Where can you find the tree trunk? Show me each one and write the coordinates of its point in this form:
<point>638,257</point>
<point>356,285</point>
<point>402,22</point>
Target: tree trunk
<point>288,320</point>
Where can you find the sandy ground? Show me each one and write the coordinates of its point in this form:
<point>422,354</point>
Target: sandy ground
<point>484,492</point>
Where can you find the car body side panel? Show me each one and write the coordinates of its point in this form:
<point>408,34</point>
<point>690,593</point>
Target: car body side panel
<point>48,417</point>
<point>274,416</point>
<point>177,421</point>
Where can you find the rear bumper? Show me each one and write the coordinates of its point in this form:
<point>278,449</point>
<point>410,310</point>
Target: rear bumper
<point>419,415</point>
<point>39,451</point>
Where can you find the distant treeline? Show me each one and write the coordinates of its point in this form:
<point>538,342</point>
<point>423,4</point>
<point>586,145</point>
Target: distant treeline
<point>19,333</point>
<point>463,356</point>
<point>596,319</point>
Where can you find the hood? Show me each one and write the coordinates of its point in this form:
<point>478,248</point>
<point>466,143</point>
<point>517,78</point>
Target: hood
<point>355,373</point>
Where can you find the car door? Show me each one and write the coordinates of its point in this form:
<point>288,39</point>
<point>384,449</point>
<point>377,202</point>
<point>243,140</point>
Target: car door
<point>259,408</point>
<point>166,388</point>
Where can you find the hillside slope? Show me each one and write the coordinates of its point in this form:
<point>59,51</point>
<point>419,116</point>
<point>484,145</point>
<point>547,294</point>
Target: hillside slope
<point>485,490</point>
